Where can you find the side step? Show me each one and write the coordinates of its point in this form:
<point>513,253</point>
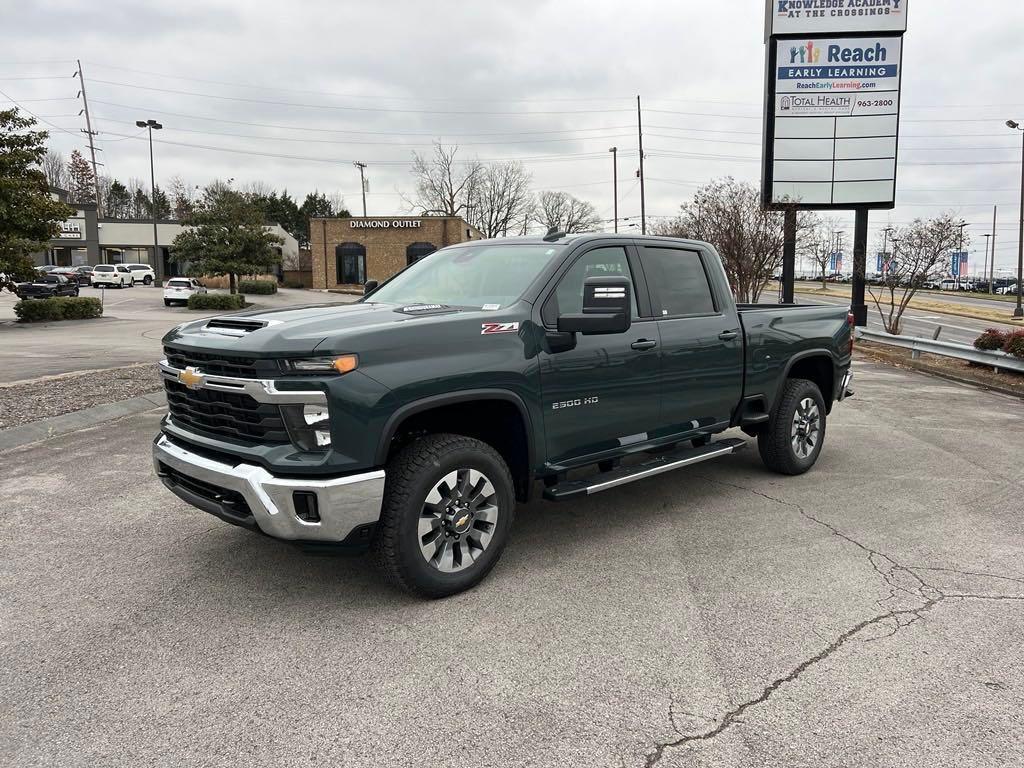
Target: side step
<point>665,463</point>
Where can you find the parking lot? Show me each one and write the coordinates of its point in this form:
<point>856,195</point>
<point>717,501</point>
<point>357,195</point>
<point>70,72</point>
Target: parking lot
<point>134,320</point>
<point>865,614</point>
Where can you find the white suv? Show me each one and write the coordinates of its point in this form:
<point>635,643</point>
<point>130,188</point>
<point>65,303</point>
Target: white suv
<point>180,288</point>
<point>143,273</point>
<point>111,275</point>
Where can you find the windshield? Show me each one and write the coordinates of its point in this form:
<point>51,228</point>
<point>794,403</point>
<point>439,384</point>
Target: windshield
<point>490,276</point>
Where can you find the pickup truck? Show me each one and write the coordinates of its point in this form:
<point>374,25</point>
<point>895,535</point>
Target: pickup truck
<point>413,420</point>
<point>46,287</point>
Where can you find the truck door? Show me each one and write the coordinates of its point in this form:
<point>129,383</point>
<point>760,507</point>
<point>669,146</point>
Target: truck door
<point>701,341</point>
<point>601,394</point>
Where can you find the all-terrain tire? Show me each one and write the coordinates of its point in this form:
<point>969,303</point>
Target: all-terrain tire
<point>410,476</point>
<point>775,444</point>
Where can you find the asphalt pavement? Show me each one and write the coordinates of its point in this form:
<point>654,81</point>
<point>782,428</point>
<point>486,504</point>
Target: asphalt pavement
<point>866,614</point>
<point>134,320</point>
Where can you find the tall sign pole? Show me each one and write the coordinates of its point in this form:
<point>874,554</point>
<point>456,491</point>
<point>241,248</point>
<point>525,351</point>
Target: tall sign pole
<point>831,120</point>
<point>615,184</point>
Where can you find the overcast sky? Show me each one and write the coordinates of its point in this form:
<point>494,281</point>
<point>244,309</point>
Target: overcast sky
<point>291,93</point>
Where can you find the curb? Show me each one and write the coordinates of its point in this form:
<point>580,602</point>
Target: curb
<point>909,365</point>
<point>15,437</point>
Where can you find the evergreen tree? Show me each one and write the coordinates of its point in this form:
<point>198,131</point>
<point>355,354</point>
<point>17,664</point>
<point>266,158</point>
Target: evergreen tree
<point>81,179</point>
<point>28,213</point>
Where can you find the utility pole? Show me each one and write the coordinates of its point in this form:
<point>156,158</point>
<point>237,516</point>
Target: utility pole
<point>90,133</point>
<point>992,268</point>
<point>615,183</point>
<point>362,183</point>
<point>643,199</point>
<point>1019,311</point>
<point>984,274</point>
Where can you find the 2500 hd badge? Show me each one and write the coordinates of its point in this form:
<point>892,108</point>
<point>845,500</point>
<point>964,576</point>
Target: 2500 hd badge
<point>413,420</point>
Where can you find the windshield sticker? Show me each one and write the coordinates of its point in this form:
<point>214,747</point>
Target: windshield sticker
<point>492,306</point>
<point>487,329</point>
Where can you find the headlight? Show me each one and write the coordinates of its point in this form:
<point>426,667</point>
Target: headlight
<point>342,364</point>
<point>309,426</point>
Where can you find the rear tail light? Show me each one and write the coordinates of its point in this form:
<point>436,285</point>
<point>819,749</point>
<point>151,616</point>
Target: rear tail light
<point>853,327</point>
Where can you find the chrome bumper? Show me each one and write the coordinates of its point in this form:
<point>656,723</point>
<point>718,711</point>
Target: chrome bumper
<point>844,387</point>
<point>344,503</point>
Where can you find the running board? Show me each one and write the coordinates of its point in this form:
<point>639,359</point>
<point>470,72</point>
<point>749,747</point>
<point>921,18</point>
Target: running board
<point>665,463</point>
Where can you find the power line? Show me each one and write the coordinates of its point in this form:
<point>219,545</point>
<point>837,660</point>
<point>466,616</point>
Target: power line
<point>519,113</point>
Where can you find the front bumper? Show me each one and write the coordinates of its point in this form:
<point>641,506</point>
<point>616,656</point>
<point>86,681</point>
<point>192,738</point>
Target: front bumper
<point>250,496</point>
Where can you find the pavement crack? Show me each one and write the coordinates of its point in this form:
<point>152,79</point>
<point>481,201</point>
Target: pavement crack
<point>889,569</point>
<point>734,715</point>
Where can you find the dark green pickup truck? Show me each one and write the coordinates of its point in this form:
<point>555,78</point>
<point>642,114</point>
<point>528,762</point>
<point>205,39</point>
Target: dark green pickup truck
<point>413,420</point>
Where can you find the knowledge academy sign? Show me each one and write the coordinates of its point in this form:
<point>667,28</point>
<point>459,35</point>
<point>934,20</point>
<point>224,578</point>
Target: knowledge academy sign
<point>801,17</point>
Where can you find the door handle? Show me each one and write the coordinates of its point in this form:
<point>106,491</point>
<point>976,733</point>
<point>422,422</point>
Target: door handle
<point>643,344</point>
<point>728,335</point>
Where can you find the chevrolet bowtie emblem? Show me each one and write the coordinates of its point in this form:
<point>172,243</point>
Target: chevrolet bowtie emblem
<point>461,521</point>
<point>191,378</point>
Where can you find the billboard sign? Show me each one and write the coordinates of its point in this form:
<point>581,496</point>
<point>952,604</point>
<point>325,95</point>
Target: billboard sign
<point>832,121</point>
<point>815,17</point>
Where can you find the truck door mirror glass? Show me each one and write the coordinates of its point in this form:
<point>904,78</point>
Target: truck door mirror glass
<point>369,285</point>
<point>606,308</point>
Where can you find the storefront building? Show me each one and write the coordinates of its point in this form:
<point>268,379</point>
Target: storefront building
<point>349,251</point>
<point>86,239</point>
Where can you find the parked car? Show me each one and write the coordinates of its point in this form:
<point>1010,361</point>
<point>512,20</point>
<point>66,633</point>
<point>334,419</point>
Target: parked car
<point>143,273</point>
<point>112,275</point>
<point>414,419</point>
<point>178,289</point>
<point>46,268</point>
<point>85,269</point>
<point>46,286</point>
<point>1007,290</point>
<point>73,275</point>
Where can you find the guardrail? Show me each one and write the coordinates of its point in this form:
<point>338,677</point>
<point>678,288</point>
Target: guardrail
<point>997,360</point>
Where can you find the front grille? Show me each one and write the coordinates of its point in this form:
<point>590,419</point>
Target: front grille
<point>217,364</point>
<point>232,415</point>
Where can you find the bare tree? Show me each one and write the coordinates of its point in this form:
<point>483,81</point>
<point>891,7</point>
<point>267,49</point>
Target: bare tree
<point>562,211</point>
<point>921,253</point>
<point>821,244</point>
<point>444,185</point>
<point>501,202</point>
<point>183,198</point>
<point>56,170</point>
<point>81,182</point>
<point>728,214</point>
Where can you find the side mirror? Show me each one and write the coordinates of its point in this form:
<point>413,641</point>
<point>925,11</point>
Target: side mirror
<point>369,285</point>
<point>606,308</point>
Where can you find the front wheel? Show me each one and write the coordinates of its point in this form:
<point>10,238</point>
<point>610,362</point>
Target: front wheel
<point>167,302</point>
<point>795,434</point>
<point>448,508</point>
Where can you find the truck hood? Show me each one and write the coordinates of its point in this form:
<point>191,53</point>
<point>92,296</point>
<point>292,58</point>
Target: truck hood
<point>295,330</point>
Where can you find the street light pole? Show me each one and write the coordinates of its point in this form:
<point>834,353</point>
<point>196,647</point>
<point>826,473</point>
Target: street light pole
<point>1019,311</point>
<point>153,125</point>
<point>615,183</point>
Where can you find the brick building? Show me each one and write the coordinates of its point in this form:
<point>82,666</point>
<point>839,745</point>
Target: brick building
<point>348,252</point>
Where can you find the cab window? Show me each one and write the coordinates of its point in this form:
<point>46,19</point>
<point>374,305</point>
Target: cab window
<point>679,285</point>
<point>600,262</point>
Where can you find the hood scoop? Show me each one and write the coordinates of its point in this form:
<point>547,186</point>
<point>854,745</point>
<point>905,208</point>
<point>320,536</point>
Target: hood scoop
<point>234,326</point>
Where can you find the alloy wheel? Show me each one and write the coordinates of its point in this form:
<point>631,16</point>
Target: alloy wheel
<point>457,520</point>
<point>806,428</point>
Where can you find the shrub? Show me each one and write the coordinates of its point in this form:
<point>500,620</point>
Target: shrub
<point>216,301</point>
<point>1015,344</point>
<point>294,284</point>
<point>58,308</point>
<point>992,339</point>
<point>254,287</point>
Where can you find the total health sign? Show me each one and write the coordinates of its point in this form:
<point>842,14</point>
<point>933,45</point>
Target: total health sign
<point>832,110</point>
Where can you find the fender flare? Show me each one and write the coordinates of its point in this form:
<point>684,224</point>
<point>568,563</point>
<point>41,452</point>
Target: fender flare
<point>452,398</point>
<point>807,353</point>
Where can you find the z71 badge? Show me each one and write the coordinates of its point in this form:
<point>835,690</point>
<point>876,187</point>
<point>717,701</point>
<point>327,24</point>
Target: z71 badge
<point>486,329</point>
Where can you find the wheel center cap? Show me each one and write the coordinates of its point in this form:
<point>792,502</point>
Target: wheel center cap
<point>461,520</point>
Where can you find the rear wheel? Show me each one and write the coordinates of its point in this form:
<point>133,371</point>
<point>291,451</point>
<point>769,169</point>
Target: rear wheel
<point>147,280</point>
<point>448,507</point>
<point>795,434</point>
<point>167,302</point>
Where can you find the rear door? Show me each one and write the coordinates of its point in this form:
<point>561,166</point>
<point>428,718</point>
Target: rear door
<point>602,394</point>
<point>701,339</point>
